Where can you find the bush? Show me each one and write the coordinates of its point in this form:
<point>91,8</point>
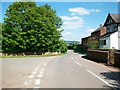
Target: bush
<point>81,49</point>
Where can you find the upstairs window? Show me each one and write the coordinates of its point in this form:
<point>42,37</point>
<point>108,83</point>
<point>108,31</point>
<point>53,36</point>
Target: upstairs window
<point>103,42</point>
<point>115,28</point>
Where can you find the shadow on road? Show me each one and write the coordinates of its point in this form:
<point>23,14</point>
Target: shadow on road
<point>112,76</point>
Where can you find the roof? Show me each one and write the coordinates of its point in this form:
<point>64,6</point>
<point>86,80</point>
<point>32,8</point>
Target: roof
<point>116,17</point>
<point>86,37</point>
<point>98,29</point>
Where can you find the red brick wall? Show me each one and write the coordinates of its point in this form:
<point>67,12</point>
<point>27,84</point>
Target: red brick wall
<point>97,55</point>
<point>117,59</point>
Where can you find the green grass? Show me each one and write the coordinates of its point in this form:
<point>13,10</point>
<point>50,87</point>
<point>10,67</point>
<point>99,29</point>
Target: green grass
<point>32,56</point>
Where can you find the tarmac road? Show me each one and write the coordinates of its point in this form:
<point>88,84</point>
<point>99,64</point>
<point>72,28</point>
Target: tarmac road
<point>65,71</point>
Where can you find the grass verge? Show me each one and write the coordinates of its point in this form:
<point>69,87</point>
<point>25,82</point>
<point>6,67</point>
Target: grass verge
<point>32,56</point>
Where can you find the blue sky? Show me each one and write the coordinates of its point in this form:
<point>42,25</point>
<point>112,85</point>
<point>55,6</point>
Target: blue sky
<point>79,18</point>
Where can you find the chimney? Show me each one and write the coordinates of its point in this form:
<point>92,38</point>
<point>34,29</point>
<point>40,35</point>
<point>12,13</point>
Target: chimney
<point>103,31</point>
<point>100,25</point>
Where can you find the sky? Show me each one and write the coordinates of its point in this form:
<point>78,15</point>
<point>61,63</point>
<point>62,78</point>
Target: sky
<point>79,18</point>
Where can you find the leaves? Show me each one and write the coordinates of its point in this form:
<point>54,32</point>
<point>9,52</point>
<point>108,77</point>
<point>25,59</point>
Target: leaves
<point>31,28</point>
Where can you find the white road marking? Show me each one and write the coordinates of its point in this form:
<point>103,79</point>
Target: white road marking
<point>41,72</point>
<point>37,81</point>
<point>72,58</point>
<point>35,69</point>
<point>100,78</point>
<point>34,72</point>
<point>42,69</point>
<point>36,87</point>
<point>28,82</point>
<point>77,63</point>
<point>40,75</point>
<point>31,76</point>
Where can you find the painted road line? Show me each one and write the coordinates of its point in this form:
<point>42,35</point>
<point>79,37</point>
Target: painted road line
<point>100,78</point>
<point>37,81</point>
<point>35,69</point>
<point>28,82</point>
<point>77,63</point>
<point>31,76</point>
<point>34,72</point>
<point>40,75</point>
<point>36,87</point>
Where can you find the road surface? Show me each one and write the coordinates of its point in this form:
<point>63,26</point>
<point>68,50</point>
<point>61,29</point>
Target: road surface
<point>65,71</point>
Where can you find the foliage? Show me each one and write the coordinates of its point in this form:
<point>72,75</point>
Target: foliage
<point>73,45</point>
<point>81,49</point>
<point>0,37</point>
<point>31,28</point>
<point>92,43</point>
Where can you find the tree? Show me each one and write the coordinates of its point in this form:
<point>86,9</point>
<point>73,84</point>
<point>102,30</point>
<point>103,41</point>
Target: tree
<point>0,37</point>
<point>92,43</point>
<point>31,28</point>
<point>14,26</point>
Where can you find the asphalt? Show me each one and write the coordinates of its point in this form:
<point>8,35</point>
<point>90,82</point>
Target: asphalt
<point>66,71</point>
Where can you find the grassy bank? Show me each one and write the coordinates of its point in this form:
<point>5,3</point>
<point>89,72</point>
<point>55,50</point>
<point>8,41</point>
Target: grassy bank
<point>32,56</point>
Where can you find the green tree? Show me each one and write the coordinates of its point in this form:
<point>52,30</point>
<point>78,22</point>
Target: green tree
<point>0,37</point>
<point>92,43</point>
<point>31,28</point>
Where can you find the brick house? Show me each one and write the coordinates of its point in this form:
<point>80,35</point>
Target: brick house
<point>96,34</point>
<point>85,40</point>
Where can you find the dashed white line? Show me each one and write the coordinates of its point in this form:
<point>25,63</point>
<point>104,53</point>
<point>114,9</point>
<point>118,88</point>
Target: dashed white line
<point>37,81</point>
<point>35,69</point>
<point>100,78</point>
<point>77,63</point>
<point>31,76</point>
<point>40,75</point>
<point>36,87</point>
<point>28,82</point>
<point>34,72</point>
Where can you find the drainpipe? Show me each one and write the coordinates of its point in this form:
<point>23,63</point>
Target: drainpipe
<point>119,37</point>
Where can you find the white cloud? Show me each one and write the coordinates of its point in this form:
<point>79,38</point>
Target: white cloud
<point>70,18</point>
<point>95,10</point>
<point>67,36</point>
<point>72,22</point>
<point>82,11</point>
<point>90,30</point>
<point>67,33</point>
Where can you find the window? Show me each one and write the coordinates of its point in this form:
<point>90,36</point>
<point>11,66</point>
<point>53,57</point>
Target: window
<point>108,30</point>
<point>103,42</point>
<point>115,28</point>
